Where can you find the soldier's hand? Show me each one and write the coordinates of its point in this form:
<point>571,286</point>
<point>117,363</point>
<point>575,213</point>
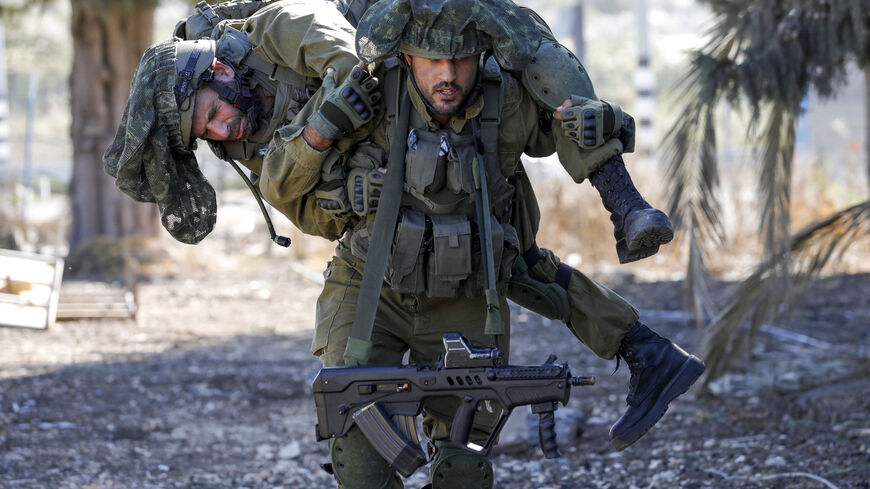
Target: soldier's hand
<point>348,106</point>
<point>589,123</point>
<point>332,198</point>
<point>364,187</point>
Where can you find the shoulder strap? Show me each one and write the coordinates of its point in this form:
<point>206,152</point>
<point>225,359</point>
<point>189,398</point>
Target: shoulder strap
<point>490,116</point>
<point>359,345</point>
<point>234,47</point>
<point>204,9</point>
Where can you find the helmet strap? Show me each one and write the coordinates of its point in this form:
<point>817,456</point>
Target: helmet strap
<point>239,94</point>
<point>186,85</point>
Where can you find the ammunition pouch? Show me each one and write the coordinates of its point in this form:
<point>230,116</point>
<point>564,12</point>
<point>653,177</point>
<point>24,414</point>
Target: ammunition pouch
<point>439,255</point>
<point>425,161</point>
<point>450,257</point>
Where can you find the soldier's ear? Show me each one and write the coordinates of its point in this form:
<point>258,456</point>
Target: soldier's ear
<point>223,72</point>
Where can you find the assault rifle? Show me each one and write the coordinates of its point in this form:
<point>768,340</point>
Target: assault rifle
<point>377,398</point>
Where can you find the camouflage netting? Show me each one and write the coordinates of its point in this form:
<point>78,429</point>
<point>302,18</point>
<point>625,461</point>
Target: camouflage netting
<point>444,29</point>
<point>147,157</point>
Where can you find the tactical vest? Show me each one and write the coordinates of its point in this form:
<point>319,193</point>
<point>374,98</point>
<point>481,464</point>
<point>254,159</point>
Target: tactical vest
<point>436,248</point>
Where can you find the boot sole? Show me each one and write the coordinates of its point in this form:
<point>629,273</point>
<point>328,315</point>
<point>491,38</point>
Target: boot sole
<point>688,374</point>
<point>644,238</point>
<point>645,244</point>
<point>651,237</point>
<point>630,256</point>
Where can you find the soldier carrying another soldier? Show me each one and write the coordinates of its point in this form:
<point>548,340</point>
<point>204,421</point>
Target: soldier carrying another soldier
<point>456,108</point>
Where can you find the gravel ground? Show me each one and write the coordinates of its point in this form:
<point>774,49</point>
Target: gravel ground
<point>210,387</point>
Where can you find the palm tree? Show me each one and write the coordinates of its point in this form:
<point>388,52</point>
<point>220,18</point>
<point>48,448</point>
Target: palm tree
<point>766,55</point>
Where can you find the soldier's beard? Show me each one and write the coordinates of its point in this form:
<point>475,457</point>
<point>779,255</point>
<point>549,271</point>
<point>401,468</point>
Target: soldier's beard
<point>450,108</point>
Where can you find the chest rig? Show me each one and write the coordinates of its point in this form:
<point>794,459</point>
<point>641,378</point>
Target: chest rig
<point>436,249</point>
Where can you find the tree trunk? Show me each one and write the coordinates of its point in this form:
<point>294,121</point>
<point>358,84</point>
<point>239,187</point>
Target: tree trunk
<point>867,123</point>
<point>108,41</point>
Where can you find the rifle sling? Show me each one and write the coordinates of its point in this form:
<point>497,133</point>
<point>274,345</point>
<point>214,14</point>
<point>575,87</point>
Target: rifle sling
<point>486,133</point>
<point>359,345</point>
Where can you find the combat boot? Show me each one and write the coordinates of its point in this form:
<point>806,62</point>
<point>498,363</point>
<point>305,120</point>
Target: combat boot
<point>660,372</point>
<point>639,229</point>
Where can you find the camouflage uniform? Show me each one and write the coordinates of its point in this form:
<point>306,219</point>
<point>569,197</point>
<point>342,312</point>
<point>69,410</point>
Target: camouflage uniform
<point>411,317</point>
<point>417,305</point>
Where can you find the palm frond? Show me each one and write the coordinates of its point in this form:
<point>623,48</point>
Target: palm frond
<point>774,186</point>
<point>812,250</point>
<point>764,55</point>
<point>698,297</point>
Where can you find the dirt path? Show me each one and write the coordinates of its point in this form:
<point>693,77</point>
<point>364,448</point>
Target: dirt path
<point>211,388</point>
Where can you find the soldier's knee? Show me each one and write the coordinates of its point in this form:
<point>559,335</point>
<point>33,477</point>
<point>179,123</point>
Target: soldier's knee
<point>357,465</point>
<point>455,468</point>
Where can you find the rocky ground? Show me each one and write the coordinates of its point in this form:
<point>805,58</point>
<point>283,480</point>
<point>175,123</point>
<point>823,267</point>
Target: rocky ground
<point>210,387</point>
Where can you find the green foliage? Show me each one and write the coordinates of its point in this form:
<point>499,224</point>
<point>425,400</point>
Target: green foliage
<point>774,50</point>
<point>766,55</point>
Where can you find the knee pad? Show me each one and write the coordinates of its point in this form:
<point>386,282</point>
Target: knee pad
<point>455,468</point>
<point>357,465</point>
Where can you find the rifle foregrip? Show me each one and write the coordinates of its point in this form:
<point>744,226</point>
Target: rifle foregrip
<point>547,435</point>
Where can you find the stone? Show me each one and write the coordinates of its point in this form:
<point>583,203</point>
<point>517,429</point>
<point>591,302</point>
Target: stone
<point>291,450</point>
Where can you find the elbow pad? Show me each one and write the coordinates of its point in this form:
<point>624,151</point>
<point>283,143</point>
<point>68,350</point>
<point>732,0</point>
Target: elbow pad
<point>554,74</point>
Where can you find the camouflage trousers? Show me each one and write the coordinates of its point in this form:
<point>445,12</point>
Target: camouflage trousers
<point>404,323</point>
<point>416,324</point>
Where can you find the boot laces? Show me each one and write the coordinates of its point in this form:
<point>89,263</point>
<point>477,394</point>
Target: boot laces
<point>634,367</point>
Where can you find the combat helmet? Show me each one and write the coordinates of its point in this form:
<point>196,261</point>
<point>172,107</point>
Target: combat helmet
<point>446,29</point>
<point>151,156</point>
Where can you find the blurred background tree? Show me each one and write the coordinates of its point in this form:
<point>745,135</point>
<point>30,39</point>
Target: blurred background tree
<point>109,37</point>
<point>765,57</point>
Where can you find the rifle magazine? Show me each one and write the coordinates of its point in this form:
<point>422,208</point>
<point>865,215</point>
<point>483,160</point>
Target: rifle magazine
<point>404,456</point>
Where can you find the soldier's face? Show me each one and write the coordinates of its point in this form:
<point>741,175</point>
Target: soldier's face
<point>444,83</point>
<point>216,119</point>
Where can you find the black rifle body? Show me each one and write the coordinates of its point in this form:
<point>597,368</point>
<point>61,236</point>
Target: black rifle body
<point>373,396</point>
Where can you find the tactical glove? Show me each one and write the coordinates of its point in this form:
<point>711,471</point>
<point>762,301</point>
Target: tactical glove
<point>364,188</point>
<point>590,123</point>
<point>330,194</point>
<point>332,198</point>
<point>348,106</point>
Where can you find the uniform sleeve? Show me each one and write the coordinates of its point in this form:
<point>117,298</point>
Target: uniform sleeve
<point>307,37</point>
<point>290,172</point>
<point>524,115</point>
